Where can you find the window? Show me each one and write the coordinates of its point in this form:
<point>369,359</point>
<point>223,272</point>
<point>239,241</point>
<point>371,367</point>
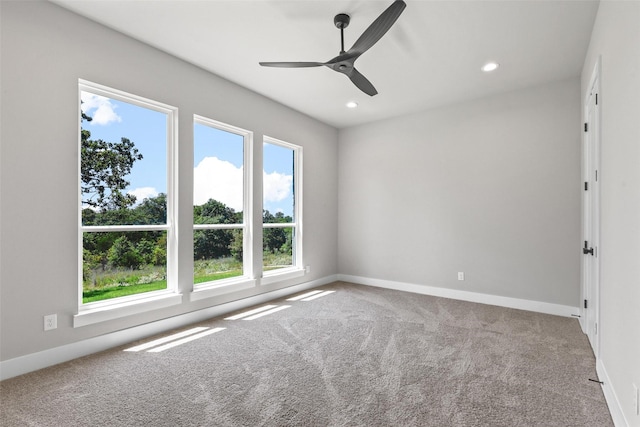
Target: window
<point>128,259</point>
<point>127,238</point>
<point>282,207</point>
<point>221,196</point>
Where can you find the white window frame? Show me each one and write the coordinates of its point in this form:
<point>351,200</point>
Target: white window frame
<point>247,280</point>
<point>297,267</point>
<point>113,308</point>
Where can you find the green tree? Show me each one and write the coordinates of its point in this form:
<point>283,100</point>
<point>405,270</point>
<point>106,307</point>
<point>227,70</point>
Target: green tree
<point>145,249</point>
<point>96,247</point>
<point>208,244</point>
<point>103,170</point>
<point>215,212</point>
<point>152,210</point>
<point>237,245</point>
<point>160,253</point>
<point>124,254</point>
<point>276,239</point>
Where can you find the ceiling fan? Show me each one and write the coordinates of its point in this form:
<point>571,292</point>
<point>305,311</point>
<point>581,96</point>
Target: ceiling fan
<point>344,62</point>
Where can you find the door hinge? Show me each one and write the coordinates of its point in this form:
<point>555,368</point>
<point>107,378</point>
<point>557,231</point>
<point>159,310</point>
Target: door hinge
<point>596,99</point>
<point>586,186</point>
<point>587,250</point>
<point>585,304</point>
<point>586,127</point>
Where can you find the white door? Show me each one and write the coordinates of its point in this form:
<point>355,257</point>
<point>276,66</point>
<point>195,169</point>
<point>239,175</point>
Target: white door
<point>591,215</point>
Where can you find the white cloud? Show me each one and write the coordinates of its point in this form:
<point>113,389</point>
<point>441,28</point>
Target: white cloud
<point>100,108</point>
<point>277,186</point>
<point>143,193</point>
<point>220,180</point>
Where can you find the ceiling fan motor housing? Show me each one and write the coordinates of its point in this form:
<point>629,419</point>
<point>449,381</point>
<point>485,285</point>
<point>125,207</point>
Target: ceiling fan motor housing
<point>342,20</point>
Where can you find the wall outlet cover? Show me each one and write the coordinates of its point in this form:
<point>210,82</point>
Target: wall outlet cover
<point>50,322</point>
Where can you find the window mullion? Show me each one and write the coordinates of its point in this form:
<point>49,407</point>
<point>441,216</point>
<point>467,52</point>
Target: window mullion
<point>218,226</point>
<point>278,224</point>
<point>107,228</point>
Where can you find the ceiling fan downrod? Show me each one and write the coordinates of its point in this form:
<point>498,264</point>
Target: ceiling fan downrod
<point>341,21</point>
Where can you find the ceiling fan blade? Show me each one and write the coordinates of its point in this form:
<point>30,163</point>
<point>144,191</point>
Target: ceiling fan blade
<point>292,64</point>
<point>361,82</point>
<point>378,28</point>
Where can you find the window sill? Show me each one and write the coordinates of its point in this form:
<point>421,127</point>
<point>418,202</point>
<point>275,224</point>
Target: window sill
<point>282,274</point>
<point>104,313</point>
<point>216,288</point>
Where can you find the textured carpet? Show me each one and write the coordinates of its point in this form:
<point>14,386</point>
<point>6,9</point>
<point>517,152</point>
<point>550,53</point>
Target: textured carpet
<point>359,356</point>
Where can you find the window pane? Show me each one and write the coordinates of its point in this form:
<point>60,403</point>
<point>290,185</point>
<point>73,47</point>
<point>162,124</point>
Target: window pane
<point>217,254</point>
<point>218,181</point>
<point>118,264</point>
<point>123,163</point>
<point>278,189</point>
<point>278,248</point>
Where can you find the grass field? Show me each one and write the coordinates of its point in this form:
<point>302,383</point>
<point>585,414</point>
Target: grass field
<point>121,291</point>
<point>122,282</point>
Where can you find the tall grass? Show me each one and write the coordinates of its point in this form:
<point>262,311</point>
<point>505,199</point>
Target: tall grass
<point>274,261</point>
<point>118,282</point>
<point>114,283</point>
<point>208,270</point>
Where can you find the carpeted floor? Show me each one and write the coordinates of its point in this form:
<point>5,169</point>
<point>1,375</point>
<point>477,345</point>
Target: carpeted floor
<point>359,356</point>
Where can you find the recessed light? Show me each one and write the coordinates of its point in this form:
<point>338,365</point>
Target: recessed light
<point>490,66</point>
<point>352,104</point>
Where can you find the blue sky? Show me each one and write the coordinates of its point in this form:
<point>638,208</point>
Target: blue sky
<point>218,156</point>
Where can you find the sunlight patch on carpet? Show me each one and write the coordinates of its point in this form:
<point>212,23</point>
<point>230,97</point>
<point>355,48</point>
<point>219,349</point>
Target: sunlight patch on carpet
<point>185,340</point>
<point>160,341</point>
<point>305,295</point>
<point>320,295</point>
<point>250,312</point>
<point>265,313</point>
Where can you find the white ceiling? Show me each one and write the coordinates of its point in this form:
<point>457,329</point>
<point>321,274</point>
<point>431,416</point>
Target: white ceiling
<point>430,57</point>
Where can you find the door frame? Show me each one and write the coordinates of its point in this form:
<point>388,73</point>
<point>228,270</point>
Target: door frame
<point>591,175</point>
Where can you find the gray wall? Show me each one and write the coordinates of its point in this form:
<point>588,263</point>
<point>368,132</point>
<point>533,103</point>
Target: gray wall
<point>488,187</point>
<point>45,49</point>
<point>616,37</point>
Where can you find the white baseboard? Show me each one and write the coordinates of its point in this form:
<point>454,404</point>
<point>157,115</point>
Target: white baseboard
<point>521,304</point>
<point>32,362</point>
<point>615,409</point>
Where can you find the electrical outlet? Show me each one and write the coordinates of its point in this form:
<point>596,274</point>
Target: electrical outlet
<point>307,269</point>
<point>50,322</point>
<point>636,399</point>
<point>460,275</point>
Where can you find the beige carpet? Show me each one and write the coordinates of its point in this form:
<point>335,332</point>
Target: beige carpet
<point>359,356</point>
